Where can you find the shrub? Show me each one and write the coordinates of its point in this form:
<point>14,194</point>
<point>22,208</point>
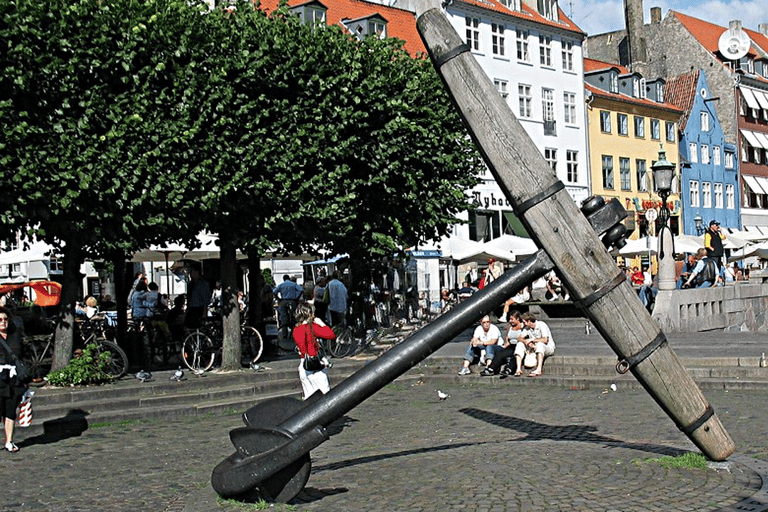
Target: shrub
<point>89,367</point>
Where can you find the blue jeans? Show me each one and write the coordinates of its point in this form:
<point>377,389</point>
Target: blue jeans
<point>705,284</point>
<point>474,352</point>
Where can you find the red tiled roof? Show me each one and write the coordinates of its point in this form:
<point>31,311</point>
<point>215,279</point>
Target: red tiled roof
<point>708,35</point>
<point>680,91</point>
<point>599,65</point>
<point>401,24</point>
<point>528,14</point>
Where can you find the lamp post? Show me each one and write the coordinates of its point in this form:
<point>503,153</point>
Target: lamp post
<point>699,224</point>
<point>663,172</point>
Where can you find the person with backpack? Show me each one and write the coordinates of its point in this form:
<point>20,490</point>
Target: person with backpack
<point>704,273</point>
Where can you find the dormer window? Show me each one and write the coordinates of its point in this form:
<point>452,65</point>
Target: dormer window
<point>548,9</point>
<point>312,13</point>
<point>642,89</point>
<point>512,4</point>
<point>373,25</point>
<point>614,85</point>
<point>660,92</point>
<point>635,87</point>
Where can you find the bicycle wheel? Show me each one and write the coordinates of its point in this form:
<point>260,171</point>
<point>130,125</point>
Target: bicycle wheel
<point>252,343</point>
<point>118,361</point>
<point>343,345</point>
<point>38,357</point>
<point>198,352</point>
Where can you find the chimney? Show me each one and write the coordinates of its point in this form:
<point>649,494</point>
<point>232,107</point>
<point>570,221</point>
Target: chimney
<point>763,28</point>
<point>633,18</point>
<point>655,15</point>
<point>734,25</point>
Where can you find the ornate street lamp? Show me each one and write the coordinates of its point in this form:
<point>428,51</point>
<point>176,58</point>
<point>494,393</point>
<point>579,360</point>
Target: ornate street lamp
<point>663,172</point>
<point>697,220</point>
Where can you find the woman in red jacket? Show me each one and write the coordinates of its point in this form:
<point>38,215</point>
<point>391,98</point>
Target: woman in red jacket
<point>305,334</point>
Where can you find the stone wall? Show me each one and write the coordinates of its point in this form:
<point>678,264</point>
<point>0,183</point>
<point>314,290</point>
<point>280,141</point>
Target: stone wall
<point>740,306</point>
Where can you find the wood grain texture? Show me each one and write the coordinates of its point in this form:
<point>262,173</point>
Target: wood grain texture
<point>559,228</point>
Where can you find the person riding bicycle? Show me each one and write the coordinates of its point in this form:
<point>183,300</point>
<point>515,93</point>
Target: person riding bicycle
<point>289,294</point>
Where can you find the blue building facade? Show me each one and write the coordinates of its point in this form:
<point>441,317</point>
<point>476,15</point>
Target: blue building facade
<point>709,168</point>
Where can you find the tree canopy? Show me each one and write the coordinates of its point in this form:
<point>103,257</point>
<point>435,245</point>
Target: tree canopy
<point>125,123</point>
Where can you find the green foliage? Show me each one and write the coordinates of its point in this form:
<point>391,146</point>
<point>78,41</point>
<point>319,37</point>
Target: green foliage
<point>88,368</point>
<point>267,275</point>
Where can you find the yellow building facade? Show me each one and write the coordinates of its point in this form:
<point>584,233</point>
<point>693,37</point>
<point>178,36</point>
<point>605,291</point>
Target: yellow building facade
<point>629,122</point>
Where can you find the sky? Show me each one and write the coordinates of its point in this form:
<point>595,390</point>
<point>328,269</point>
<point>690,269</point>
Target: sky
<point>600,16</point>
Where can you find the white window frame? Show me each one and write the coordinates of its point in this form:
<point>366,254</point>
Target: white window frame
<point>670,135</point>
<point>639,127</point>
<point>501,86</point>
<point>547,104</point>
<point>705,153</point>
<point>625,173</point>
<point>608,184</point>
<point>550,155</point>
<point>473,32</point>
<point>716,155</point>
<point>521,38</point>
<point>719,196</point>
<point>614,83</point>
<point>545,51</point>
<point>498,40</point>
<point>729,160</point>
<point>314,16</point>
<point>706,194</point>
<point>569,108</point>
<point>694,185</point>
<point>704,120</point>
<point>730,197</point>
<point>693,152</point>
<point>572,165</point>
<point>525,100</point>
<point>567,51</point>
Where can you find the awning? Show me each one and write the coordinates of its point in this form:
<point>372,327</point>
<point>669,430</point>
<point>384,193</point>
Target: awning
<point>763,184</point>
<point>762,99</point>
<point>749,98</point>
<point>753,184</point>
<point>761,138</point>
<point>751,138</point>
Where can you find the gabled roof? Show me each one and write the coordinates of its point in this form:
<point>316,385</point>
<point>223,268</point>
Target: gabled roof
<point>681,91</point>
<point>708,35</point>
<point>401,24</point>
<point>528,14</point>
<point>593,66</point>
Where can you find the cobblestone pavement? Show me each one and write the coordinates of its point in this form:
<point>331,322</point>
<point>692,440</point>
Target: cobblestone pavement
<point>528,448</point>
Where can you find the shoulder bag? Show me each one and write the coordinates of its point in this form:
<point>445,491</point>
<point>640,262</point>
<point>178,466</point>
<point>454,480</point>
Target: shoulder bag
<point>22,374</point>
<point>312,363</point>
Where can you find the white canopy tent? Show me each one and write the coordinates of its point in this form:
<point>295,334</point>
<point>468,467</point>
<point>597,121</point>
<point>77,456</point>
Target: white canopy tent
<point>517,245</point>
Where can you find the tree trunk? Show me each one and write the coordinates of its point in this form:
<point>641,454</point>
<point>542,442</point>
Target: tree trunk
<point>230,311</point>
<point>70,293</point>
<point>254,287</point>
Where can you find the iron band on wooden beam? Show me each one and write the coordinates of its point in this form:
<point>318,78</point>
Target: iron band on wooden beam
<point>602,291</point>
<point>445,57</point>
<point>630,362</point>
<point>541,196</point>
<point>690,429</point>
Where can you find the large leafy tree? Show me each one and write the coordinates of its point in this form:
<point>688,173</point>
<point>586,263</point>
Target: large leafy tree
<point>124,122</point>
<point>314,138</point>
<point>88,93</point>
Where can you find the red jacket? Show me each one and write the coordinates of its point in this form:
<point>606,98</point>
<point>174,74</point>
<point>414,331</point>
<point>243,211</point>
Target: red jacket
<point>303,337</point>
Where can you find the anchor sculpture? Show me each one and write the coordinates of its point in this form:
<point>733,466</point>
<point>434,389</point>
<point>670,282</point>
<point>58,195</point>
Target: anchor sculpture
<point>272,450</point>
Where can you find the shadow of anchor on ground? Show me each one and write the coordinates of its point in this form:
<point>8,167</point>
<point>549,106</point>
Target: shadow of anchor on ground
<point>536,431</point>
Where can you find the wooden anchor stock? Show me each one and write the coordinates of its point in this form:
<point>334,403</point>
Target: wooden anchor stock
<point>552,218</point>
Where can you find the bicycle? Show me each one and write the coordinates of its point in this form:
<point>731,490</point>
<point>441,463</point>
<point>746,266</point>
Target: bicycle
<point>201,346</point>
<point>38,349</point>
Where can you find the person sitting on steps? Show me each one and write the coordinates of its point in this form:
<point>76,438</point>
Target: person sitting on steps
<point>508,350</point>
<point>486,337</point>
<point>536,336</point>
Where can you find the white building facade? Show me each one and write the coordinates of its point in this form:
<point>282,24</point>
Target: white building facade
<point>533,55</point>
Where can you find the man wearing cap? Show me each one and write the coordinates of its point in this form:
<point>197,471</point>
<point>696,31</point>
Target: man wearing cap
<point>713,243</point>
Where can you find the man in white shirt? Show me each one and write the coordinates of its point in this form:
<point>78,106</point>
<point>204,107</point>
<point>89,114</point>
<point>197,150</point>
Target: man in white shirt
<point>535,336</point>
<point>486,337</point>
